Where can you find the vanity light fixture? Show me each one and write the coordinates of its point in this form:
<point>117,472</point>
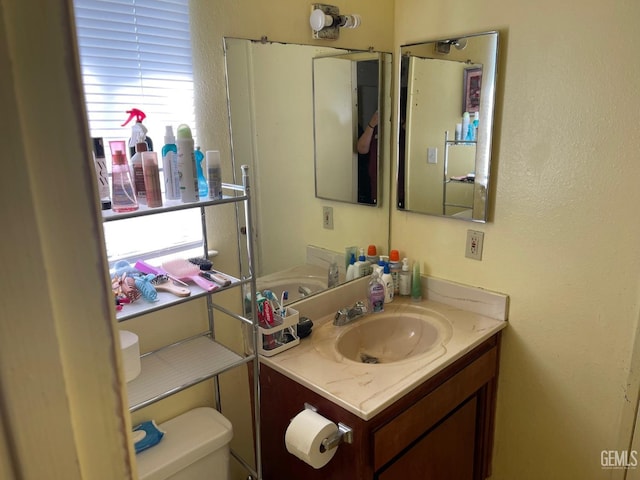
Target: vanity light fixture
<point>444,47</point>
<point>325,21</point>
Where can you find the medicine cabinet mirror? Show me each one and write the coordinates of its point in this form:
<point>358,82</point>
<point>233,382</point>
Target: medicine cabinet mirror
<point>444,161</point>
<point>276,124</point>
<point>345,102</point>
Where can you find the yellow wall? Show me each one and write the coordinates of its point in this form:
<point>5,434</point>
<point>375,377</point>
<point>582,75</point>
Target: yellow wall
<point>563,234</point>
<point>561,241</point>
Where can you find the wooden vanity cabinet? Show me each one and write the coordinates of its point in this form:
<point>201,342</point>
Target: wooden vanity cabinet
<point>442,429</point>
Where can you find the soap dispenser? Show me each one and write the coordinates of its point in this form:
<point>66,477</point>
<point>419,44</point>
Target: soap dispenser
<point>375,293</point>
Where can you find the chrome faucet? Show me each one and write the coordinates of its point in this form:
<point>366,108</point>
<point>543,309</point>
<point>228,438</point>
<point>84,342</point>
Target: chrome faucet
<point>349,314</point>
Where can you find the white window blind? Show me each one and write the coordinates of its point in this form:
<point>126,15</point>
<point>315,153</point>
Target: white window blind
<point>137,54</point>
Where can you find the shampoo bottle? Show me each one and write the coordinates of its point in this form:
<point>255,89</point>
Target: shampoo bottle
<point>187,165</point>
<point>375,293</point>
<point>214,174</point>
<point>151,179</point>
<point>203,189</point>
<point>170,165</point>
<point>372,255</point>
<point>387,281</point>
<point>138,174</point>
<point>395,266</point>
<point>123,197</point>
<point>100,163</point>
<point>405,278</point>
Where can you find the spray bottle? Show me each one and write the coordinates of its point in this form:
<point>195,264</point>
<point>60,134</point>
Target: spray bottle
<point>138,131</point>
<point>170,165</point>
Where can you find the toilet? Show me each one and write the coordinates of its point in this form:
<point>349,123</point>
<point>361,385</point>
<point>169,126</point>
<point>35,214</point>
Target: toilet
<point>195,446</point>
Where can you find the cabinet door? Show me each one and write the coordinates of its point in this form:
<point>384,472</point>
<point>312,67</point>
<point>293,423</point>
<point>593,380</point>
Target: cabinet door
<point>446,452</point>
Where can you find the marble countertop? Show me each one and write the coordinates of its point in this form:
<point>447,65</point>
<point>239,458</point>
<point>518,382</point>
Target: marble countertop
<point>367,389</point>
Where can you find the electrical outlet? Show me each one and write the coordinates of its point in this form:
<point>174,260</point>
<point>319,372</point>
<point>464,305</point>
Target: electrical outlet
<point>327,217</point>
<point>475,239</point>
<point>432,155</point>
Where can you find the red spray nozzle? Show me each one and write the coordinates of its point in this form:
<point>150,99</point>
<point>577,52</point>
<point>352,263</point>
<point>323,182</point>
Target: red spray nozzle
<point>134,112</point>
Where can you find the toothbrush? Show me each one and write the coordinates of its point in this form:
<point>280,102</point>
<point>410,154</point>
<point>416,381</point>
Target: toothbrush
<point>283,297</point>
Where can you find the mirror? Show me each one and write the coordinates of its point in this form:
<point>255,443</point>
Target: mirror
<point>345,108</point>
<point>444,154</point>
<point>270,88</point>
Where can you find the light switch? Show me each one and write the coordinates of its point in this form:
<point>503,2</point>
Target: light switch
<point>432,155</point>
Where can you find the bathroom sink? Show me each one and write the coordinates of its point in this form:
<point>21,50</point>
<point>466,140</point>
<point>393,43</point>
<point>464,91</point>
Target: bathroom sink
<point>393,337</point>
<point>297,287</point>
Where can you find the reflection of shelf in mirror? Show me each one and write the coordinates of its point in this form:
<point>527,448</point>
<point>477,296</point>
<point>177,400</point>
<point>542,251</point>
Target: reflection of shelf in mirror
<point>469,143</point>
<point>462,179</point>
<point>177,367</point>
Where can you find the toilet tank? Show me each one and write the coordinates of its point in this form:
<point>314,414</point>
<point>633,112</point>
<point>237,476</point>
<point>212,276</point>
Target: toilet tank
<point>195,446</point>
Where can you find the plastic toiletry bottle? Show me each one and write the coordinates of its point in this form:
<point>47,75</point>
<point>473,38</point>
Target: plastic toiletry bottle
<point>138,174</point>
<point>404,280</point>
<point>375,293</point>
<point>416,283</point>
<point>363,268</point>
<point>214,174</point>
<point>351,269</point>
<point>170,165</point>
<point>333,276</point>
<point>187,165</point>
<point>395,266</point>
<point>151,179</point>
<point>458,136</point>
<point>123,196</point>
<point>100,163</point>
<point>203,189</point>
<point>387,281</point>
<point>138,131</point>
<point>465,125</point>
<point>372,255</point>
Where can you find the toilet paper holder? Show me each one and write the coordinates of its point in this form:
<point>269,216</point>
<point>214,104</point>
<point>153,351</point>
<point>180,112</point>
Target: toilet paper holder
<point>343,435</point>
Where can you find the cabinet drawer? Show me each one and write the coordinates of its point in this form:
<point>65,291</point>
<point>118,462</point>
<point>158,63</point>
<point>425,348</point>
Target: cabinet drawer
<point>395,436</point>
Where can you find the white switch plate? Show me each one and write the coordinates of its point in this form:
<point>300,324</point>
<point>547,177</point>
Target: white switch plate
<point>327,217</point>
<point>475,239</point>
<point>432,155</point>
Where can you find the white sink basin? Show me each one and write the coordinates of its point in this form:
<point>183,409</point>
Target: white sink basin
<point>297,287</point>
<point>383,338</point>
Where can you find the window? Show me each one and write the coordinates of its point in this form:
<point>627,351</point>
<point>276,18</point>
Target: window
<point>137,54</point>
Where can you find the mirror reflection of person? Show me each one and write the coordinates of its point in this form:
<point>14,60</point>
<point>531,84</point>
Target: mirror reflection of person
<point>367,147</point>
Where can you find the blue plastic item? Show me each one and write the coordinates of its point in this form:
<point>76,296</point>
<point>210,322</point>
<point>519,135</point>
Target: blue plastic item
<point>146,435</point>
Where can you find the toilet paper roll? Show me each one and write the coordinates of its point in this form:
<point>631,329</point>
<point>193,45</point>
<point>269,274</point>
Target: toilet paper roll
<point>130,354</point>
<point>304,437</point>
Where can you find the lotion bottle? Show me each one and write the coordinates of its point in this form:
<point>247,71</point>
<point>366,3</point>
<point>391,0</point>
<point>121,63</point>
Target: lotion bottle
<point>170,165</point>
<point>465,125</point>
<point>375,293</point>
<point>405,278</point>
<point>351,269</point>
<point>187,165</point>
<point>363,267</point>
<point>387,281</point>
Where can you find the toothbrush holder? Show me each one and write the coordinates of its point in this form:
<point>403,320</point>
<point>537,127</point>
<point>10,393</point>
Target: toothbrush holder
<point>282,336</point>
